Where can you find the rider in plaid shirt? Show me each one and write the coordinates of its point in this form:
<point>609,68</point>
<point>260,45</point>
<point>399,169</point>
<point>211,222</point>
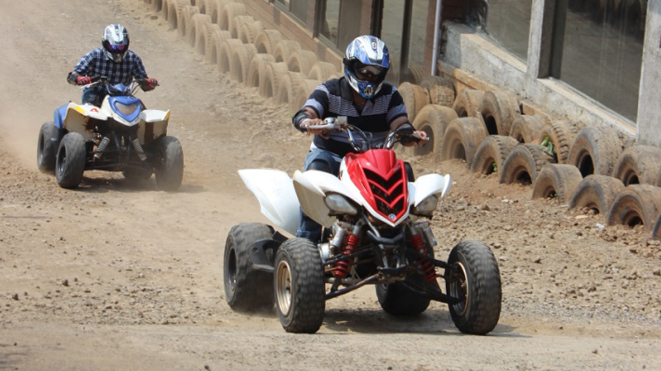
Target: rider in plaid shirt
<point>113,60</point>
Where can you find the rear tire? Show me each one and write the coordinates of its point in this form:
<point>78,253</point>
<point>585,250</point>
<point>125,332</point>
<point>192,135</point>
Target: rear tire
<point>477,282</point>
<point>397,300</point>
<point>137,175</point>
<point>246,289</point>
<point>299,286</point>
<point>170,170</point>
<point>47,147</point>
<point>70,161</point>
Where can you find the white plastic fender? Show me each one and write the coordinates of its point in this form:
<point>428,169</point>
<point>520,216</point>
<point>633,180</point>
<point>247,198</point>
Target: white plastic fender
<point>78,115</point>
<point>311,187</point>
<point>430,184</point>
<point>274,190</point>
<point>152,115</point>
<point>158,127</point>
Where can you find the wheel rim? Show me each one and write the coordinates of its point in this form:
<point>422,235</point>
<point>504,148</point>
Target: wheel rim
<point>283,287</point>
<point>458,288</point>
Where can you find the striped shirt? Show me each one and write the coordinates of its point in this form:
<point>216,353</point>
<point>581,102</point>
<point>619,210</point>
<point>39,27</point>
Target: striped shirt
<point>334,98</point>
<point>96,63</point>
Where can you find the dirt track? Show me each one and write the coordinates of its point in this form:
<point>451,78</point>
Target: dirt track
<point>113,277</point>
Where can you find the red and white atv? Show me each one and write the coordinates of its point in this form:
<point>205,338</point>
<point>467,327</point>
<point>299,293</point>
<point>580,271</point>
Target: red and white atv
<point>375,231</point>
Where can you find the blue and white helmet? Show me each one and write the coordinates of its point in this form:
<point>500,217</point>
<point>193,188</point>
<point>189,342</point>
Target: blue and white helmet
<point>370,54</point>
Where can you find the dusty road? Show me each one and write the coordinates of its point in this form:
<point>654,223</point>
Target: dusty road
<point>111,277</point>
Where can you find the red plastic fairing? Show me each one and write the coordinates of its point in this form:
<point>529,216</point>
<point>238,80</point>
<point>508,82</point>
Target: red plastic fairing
<point>381,179</point>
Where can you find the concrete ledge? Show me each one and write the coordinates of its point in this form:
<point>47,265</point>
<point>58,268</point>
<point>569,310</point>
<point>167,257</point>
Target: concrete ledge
<point>486,62</point>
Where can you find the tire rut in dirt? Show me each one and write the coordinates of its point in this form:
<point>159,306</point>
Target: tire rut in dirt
<point>246,289</point>
<point>477,279</point>
<point>299,286</point>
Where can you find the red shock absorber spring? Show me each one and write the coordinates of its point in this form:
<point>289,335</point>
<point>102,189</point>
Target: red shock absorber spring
<point>427,267</point>
<point>343,266</point>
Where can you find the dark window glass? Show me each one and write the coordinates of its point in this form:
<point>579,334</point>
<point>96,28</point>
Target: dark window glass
<point>299,8</point>
<point>599,51</point>
<point>341,21</point>
<point>349,22</point>
<point>418,40</point>
<point>508,24</point>
<point>330,20</point>
<point>391,33</point>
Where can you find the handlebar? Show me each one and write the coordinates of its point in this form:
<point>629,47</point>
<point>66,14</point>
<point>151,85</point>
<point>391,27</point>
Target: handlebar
<point>131,88</point>
<point>340,124</point>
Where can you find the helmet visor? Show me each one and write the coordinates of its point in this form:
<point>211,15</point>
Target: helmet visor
<point>367,72</point>
<point>116,48</point>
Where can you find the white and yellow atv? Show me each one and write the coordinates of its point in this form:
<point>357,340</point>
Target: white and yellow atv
<point>121,135</point>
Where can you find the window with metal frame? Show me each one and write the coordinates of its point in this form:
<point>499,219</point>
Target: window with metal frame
<point>298,8</point>
<point>505,23</point>
<point>339,21</point>
<point>403,27</point>
<point>598,50</point>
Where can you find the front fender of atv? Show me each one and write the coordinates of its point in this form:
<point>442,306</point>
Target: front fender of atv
<point>78,116</point>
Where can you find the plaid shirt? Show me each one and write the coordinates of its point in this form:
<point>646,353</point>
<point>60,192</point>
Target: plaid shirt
<point>96,63</point>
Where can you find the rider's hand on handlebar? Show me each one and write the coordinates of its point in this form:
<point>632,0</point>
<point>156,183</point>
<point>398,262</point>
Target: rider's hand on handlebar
<point>149,84</point>
<point>311,122</point>
<point>83,80</point>
<point>418,139</point>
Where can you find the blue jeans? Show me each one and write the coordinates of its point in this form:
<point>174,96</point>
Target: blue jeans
<point>317,159</point>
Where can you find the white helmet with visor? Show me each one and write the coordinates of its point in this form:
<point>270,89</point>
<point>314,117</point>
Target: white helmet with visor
<point>115,42</point>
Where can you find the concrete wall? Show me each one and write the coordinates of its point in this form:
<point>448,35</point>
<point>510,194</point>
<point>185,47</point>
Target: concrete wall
<point>477,56</point>
<point>649,103</point>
